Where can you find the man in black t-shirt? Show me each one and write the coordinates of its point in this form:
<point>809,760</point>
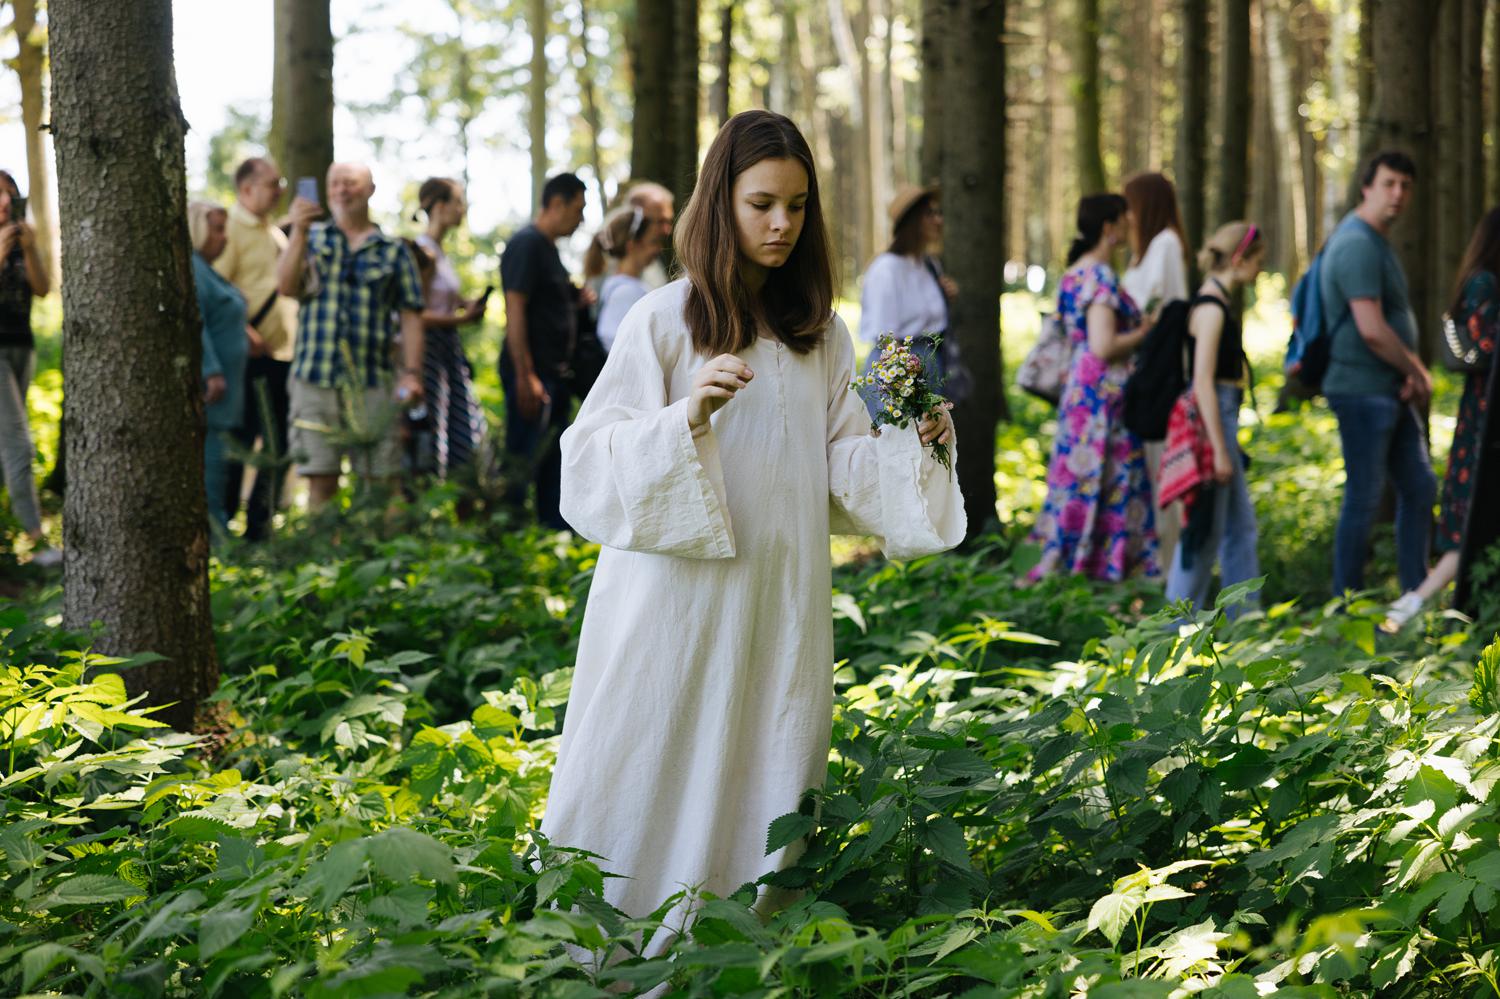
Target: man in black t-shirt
<point>541,331</point>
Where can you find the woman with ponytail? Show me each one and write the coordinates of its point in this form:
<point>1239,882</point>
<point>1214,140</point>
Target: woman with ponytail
<point>1224,524</point>
<point>456,419</point>
<point>631,240</point>
<point>1097,519</point>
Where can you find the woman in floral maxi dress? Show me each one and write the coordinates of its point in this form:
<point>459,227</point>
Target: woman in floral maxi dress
<point>1097,518</point>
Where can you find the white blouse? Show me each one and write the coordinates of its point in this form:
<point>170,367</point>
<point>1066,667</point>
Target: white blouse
<point>899,295</point>
<point>1160,276</point>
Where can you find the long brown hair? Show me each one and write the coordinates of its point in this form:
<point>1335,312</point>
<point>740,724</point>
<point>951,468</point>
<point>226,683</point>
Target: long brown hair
<point>1153,201</point>
<point>1483,254</point>
<point>797,298</point>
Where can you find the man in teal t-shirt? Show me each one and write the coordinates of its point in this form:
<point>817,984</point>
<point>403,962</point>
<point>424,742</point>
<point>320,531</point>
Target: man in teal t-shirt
<point>1376,384</point>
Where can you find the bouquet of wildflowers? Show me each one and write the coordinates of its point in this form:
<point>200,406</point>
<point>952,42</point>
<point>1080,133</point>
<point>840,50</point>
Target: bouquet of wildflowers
<point>898,388</point>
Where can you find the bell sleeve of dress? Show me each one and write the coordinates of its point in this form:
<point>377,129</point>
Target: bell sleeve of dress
<point>889,486</point>
<point>634,475</point>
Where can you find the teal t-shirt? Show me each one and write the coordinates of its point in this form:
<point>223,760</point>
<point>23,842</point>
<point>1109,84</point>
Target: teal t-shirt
<point>1358,262</point>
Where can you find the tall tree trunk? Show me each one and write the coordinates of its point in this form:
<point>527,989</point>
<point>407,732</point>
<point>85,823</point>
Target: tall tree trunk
<point>878,104</point>
<point>1140,85</point>
<point>1192,124</point>
<point>1450,220</point>
<point>30,70</point>
<point>590,100</point>
<point>1492,121</point>
<point>850,49</point>
<point>1085,86</point>
<point>1472,156</point>
<point>536,97</point>
<point>719,101</point>
<point>302,90</point>
<point>933,65</point>
<point>135,521</point>
<point>651,137</point>
<point>973,194</point>
<point>1343,134</point>
<point>1234,111</point>
<point>1288,127</point>
<point>685,94</point>
<point>1400,118</point>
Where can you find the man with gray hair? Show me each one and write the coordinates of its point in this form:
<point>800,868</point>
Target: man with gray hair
<point>352,278</point>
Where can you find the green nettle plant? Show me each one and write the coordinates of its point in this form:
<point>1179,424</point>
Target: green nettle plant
<point>1060,792</point>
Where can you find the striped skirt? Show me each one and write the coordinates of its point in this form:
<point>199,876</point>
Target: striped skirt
<point>458,424</point>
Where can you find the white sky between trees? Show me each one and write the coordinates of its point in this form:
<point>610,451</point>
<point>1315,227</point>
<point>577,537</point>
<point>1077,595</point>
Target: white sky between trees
<point>223,52</point>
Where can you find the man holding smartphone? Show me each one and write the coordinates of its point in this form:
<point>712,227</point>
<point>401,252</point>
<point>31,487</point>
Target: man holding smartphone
<point>351,279</point>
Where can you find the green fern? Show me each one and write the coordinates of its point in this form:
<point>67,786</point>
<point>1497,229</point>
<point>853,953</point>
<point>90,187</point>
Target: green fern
<point>1484,696</point>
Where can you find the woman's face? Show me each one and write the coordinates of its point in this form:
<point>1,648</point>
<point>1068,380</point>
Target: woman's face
<point>455,208</point>
<point>5,201</point>
<point>932,223</point>
<point>216,238</point>
<point>1249,267</point>
<point>770,206</point>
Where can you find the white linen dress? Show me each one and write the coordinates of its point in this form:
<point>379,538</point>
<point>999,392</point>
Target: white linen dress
<point>701,704</point>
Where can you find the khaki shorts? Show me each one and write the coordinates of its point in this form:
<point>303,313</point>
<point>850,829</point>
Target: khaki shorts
<point>324,429</point>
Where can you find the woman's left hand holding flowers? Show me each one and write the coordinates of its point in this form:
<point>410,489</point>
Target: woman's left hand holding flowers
<point>937,426</point>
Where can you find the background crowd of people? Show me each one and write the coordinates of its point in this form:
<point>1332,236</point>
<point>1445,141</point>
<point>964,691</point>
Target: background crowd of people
<point>326,339</point>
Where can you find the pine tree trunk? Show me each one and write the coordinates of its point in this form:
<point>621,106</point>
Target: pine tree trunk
<point>933,64</point>
<point>1234,112</point>
<point>1492,119</point>
<point>301,139</point>
<point>878,103</point>
<point>1140,90</point>
<point>850,51</point>
<point>135,521</point>
<point>1288,128</point>
<point>587,90</point>
<point>651,137</point>
<point>1085,85</point>
<point>1472,156</point>
<point>1400,118</point>
<point>536,97</point>
<point>1450,219</point>
<point>719,101</point>
<point>973,181</point>
<point>30,70</point>
<point>1192,125</point>
<point>685,94</point>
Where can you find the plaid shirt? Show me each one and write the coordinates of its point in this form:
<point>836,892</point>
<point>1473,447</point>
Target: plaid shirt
<point>352,302</point>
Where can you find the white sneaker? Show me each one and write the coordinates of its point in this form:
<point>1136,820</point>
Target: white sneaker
<point>1406,607</point>
<point>47,558</point>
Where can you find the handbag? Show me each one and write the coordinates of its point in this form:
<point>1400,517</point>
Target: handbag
<point>1045,369</point>
<point>1464,350</point>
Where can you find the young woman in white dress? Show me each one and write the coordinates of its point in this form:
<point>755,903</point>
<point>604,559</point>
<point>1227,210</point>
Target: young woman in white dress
<point>714,456</point>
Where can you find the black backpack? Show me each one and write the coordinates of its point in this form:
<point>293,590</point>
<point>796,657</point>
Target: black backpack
<point>1160,374</point>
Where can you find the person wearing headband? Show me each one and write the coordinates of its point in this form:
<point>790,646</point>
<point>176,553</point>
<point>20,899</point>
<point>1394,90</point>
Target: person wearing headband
<point>1222,523</point>
<point>631,239</point>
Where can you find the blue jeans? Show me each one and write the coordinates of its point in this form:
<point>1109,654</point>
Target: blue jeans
<point>1382,437</point>
<point>215,474</point>
<point>1233,535</point>
<point>532,450</point>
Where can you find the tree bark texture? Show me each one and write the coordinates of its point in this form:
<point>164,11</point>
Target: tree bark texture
<point>1492,117</point>
<point>587,92</point>
<point>1085,85</point>
<point>30,70</point>
<point>301,138</point>
<point>973,181</point>
<point>686,90</point>
<point>1450,216</point>
<point>1472,155</point>
<point>933,63</point>
<point>1401,118</point>
<point>651,155</point>
<point>135,521</point>
<point>849,44</point>
<point>719,99</point>
<point>1192,124</point>
<point>1288,125</point>
<point>536,97</point>
<point>1232,194</point>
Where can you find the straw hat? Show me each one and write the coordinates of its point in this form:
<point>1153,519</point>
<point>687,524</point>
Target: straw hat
<point>906,199</point>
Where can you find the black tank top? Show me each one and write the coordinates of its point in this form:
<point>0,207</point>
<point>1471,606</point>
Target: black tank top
<point>1231,363</point>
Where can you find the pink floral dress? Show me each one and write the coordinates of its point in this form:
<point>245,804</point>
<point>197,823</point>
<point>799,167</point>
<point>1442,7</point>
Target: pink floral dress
<point>1097,519</point>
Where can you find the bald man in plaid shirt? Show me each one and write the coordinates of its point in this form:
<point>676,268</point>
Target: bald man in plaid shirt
<point>352,279</point>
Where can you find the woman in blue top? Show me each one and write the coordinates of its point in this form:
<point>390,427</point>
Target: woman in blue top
<point>226,347</point>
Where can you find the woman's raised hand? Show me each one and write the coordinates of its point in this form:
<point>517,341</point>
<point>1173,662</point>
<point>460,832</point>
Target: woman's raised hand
<point>714,384</point>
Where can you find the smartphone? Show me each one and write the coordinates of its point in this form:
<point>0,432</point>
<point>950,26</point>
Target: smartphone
<point>484,298</point>
<point>307,187</point>
<point>18,208</point>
